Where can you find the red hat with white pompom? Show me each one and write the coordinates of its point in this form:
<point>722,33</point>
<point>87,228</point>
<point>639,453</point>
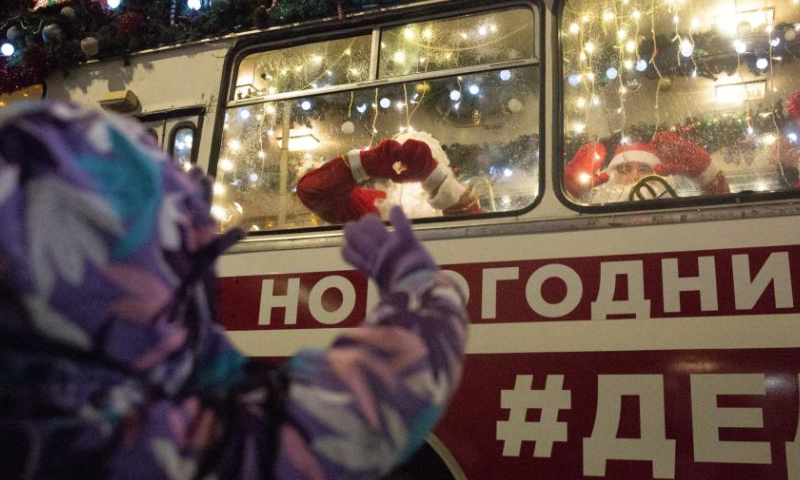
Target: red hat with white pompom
<point>634,153</point>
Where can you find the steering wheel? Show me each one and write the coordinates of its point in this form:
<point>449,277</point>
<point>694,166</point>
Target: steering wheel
<point>651,187</point>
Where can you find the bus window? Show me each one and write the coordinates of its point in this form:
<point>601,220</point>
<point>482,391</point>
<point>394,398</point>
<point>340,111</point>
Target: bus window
<point>678,99</point>
<point>484,116</point>
<point>180,146</point>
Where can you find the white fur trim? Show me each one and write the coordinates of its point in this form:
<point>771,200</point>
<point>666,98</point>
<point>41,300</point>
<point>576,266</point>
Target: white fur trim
<point>707,176</point>
<point>356,168</point>
<point>634,156</point>
<point>436,177</point>
<point>449,193</point>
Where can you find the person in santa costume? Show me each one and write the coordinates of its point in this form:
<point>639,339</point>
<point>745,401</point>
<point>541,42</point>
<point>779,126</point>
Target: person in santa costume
<point>667,154</point>
<point>335,190</point>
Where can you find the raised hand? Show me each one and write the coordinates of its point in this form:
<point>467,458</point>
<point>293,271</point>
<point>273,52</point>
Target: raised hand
<point>406,162</point>
<point>386,257</point>
<point>679,156</point>
<point>580,174</point>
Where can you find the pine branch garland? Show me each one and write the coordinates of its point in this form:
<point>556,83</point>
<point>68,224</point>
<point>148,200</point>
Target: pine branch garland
<point>137,25</point>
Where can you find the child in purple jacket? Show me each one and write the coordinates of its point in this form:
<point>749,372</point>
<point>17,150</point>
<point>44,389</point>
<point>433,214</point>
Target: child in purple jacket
<point>113,365</point>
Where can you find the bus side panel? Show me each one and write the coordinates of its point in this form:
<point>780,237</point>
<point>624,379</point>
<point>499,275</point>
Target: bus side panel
<point>616,353</point>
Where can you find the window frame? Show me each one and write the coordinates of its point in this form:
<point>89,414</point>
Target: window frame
<point>197,111</point>
<point>374,22</point>
<point>559,150</point>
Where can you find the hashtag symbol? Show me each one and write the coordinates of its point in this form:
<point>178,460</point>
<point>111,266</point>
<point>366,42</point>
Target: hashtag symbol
<point>544,432</point>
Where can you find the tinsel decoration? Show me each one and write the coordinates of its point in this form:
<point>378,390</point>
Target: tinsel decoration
<point>31,70</point>
<point>130,24</point>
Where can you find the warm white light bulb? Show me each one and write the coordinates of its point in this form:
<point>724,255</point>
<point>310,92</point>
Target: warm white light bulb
<point>687,48</point>
<point>193,4</point>
<point>7,49</point>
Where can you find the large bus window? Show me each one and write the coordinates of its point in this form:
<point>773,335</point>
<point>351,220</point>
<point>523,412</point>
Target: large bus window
<point>485,118</point>
<point>695,96</point>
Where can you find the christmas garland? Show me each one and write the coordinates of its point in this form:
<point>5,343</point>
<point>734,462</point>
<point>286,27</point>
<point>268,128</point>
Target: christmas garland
<point>51,35</point>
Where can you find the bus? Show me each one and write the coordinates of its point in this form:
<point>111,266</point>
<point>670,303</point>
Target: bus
<point>633,273</point>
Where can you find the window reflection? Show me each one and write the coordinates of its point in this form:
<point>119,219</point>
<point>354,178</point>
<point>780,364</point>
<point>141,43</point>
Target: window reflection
<point>304,67</point>
<point>700,94</point>
<point>461,42</point>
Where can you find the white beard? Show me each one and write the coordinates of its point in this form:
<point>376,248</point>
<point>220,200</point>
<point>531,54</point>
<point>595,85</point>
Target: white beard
<point>613,191</point>
<point>411,197</point>
<point>608,193</point>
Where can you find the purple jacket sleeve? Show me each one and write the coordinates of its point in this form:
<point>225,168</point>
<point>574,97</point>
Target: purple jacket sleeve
<point>367,403</point>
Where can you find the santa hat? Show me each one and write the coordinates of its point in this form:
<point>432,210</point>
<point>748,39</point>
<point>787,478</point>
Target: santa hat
<point>634,153</point>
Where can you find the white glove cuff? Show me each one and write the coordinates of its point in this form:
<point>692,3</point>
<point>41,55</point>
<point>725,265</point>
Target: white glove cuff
<point>356,168</point>
<point>449,193</point>
<point>435,178</point>
<point>707,176</point>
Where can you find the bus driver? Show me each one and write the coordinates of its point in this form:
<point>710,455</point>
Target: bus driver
<point>666,154</point>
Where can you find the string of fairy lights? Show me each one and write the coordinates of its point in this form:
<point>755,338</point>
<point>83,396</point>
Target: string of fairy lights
<point>590,28</point>
<point>418,48</point>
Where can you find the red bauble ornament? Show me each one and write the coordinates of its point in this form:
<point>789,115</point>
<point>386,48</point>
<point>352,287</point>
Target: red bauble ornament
<point>131,24</point>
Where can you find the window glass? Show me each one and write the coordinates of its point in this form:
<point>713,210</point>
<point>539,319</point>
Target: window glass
<point>698,94</point>
<point>304,67</point>
<point>461,42</point>
<point>183,138</point>
<point>487,123</point>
